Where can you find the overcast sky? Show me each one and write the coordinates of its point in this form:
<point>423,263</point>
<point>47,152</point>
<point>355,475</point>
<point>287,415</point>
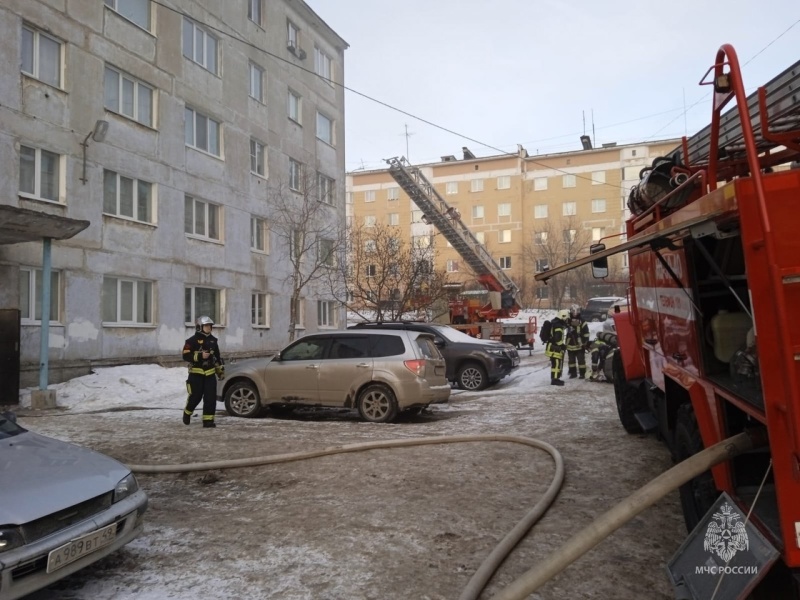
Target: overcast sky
<point>503,72</point>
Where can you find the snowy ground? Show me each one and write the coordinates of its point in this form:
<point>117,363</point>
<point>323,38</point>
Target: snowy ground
<point>385,524</point>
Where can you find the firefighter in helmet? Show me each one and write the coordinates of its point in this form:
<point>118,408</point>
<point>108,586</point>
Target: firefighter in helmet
<point>577,343</point>
<point>599,349</point>
<point>201,351</point>
<point>556,346</point>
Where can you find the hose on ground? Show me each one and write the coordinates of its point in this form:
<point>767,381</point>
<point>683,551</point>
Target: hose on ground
<point>606,524</point>
<point>495,558</point>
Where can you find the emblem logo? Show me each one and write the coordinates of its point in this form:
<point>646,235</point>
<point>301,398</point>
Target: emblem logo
<point>726,534</point>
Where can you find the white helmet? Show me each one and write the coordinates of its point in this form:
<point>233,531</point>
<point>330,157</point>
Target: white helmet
<point>563,315</point>
<point>203,320</point>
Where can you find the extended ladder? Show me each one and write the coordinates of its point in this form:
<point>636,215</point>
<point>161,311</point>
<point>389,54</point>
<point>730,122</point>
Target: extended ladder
<point>448,221</point>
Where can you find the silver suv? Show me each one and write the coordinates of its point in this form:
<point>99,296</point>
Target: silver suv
<point>380,373</point>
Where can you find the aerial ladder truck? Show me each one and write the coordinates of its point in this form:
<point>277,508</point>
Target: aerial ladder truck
<point>710,346</point>
<point>467,314</point>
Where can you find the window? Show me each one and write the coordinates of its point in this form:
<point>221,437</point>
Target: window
<point>504,209</point>
<point>371,270</point>
<point>392,194</point>
<point>322,64</point>
<point>504,236</point>
<point>598,206</point>
<point>326,313</point>
<point>451,187</point>
<point>370,246</point>
<point>597,233</point>
<point>136,11</point>
<point>128,96</point>
<point>369,196</point>
<point>569,209</point>
<point>539,184</point>
<point>292,35</point>
<point>325,189</point>
<point>481,237</point>
<point>631,173</point>
<point>259,309</point>
<point>540,211</point>
<point>295,174</point>
<point>540,238</point>
<point>41,56</point>
<point>39,173</point>
<point>505,262</point>
<point>568,181</point>
<point>294,107</point>
<point>541,265</point>
<point>127,301</point>
<point>504,182</point>
<point>30,295</point>
<point>370,220</point>
<point>199,45</point>
<point>202,301</point>
<point>477,211</point>
<point>394,218</point>
<point>326,256</point>
<point>324,129</point>
<point>201,132</point>
<point>598,177</point>
<point>569,236</point>
<point>127,197</point>
<point>476,185</point>
<point>452,266</point>
<point>542,292</point>
<point>416,216</point>
<point>256,157</point>
<point>420,242</point>
<point>259,235</point>
<point>256,82</point>
<point>201,218</point>
<point>254,10</point>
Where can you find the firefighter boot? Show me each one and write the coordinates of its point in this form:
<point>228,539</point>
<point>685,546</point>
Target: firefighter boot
<point>187,417</point>
<point>573,373</point>
<point>582,374</point>
<point>209,424</point>
<point>556,382</point>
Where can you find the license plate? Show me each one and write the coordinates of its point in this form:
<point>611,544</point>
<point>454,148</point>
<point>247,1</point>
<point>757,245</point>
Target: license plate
<point>77,548</point>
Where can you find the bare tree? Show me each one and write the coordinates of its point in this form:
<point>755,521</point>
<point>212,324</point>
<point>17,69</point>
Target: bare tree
<point>388,277</point>
<point>556,243</point>
<point>306,221</point>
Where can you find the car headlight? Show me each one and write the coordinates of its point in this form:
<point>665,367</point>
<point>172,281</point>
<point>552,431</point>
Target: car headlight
<point>495,352</point>
<point>10,538</point>
<point>125,488</point>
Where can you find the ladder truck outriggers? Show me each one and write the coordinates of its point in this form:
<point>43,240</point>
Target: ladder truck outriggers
<point>710,346</point>
<point>467,314</point>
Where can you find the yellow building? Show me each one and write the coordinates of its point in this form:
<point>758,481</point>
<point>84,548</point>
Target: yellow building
<point>531,212</point>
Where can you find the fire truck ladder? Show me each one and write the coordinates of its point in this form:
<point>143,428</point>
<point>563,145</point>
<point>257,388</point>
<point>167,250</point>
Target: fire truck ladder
<point>448,221</point>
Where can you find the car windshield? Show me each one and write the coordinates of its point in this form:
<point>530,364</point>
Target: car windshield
<point>8,428</point>
<point>453,335</point>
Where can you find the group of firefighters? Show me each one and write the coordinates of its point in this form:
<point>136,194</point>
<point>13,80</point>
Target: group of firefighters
<point>570,334</point>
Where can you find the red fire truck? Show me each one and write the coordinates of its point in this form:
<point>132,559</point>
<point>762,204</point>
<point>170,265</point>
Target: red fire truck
<point>711,344</point>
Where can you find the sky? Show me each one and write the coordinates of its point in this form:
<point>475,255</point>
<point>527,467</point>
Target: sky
<point>491,74</point>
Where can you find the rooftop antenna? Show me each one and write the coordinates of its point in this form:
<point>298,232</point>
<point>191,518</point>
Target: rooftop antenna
<point>408,135</point>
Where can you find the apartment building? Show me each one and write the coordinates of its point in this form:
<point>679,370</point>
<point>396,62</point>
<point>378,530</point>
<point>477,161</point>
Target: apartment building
<point>154,134</point>
<point>516,205</point>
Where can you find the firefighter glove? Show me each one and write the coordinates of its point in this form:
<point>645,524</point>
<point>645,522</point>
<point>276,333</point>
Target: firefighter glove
<point>220,369</point>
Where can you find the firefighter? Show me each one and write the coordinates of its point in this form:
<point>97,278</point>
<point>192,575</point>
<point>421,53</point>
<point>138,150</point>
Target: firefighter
<point>555,347</point>
<point>201,351</point>
<point>599,350</point>
<point>577,343</point>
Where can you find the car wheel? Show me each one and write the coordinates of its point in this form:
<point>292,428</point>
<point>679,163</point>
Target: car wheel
<point>627,396</point>
<point>472,377</point>
<point>700,493</point>
<point>377,404</point>
<point>242,400</point>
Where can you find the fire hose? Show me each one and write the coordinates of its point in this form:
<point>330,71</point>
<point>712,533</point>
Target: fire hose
<point>574,548</point>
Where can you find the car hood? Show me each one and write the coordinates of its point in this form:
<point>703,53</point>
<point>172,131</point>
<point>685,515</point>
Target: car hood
<point>41,475</point>
<point>248,364</point>
<point>493,344</point>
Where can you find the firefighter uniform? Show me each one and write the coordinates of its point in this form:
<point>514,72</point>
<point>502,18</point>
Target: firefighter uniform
<point>577,343</point>
<point>600,350</point>
<point>203,372</point>
<point>555,350</point>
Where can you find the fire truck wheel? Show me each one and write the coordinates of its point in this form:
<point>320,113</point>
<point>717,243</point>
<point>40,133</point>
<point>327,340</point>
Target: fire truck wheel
<point>699,494</point>
<point>472,377</point>
<point>628,398</point>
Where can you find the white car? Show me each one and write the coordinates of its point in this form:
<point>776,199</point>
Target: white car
<point>62,508</point>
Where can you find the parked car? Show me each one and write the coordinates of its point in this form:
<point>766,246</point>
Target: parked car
<point>381,373</point>
<point>596,309</point>
<point>617,307</point>
<point>62,508</point>
<point>472,364</point>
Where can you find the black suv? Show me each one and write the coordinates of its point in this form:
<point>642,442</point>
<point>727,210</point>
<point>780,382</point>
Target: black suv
<point>472,364</point>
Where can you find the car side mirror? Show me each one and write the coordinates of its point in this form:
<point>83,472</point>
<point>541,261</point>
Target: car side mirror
<point>277,357</point>
<point>439,343</point>
<point>599,266</point>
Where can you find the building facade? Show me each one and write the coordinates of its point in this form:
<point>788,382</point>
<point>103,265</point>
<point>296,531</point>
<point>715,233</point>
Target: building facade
<point>531,212</point>
<point>209,108</point>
